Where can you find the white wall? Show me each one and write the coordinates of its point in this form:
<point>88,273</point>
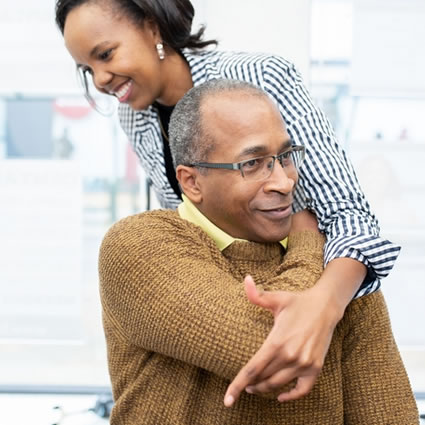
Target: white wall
<point>281,27</point>
<point>388,48</point>
<point>35,61</point>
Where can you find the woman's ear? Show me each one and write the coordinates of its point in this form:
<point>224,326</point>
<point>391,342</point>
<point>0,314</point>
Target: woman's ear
<point>153,29</point>
<point>188,177</point>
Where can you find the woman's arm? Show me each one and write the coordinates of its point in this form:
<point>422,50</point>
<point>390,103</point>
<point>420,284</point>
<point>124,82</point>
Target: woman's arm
<point>353,244</point>
<point>328,184</point>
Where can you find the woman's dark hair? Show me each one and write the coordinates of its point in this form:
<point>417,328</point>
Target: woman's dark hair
<point>173,17</point>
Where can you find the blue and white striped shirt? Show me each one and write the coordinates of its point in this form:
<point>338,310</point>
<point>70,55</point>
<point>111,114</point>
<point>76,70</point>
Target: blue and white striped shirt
<point>327,181</point>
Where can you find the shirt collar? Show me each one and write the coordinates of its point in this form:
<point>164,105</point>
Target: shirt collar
<point>189,212</point>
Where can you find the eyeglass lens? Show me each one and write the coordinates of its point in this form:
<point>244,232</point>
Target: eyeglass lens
<point>262,168</point>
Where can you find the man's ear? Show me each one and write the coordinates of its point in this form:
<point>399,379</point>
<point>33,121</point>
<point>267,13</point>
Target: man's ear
<point>188,177</point>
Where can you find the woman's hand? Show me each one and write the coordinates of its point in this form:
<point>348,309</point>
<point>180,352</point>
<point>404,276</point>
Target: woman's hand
<point>296,347</point>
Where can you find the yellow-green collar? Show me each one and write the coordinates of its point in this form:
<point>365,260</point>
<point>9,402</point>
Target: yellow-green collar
<point>189,212</point>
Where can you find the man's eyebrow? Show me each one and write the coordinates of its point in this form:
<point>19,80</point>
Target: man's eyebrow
<point>253,150</point>
<point>262,149</point>
<point>286,145</point>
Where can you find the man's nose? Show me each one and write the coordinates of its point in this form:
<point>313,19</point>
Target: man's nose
<point>282,179</point>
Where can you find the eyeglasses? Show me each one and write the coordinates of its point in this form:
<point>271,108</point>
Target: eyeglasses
<point>261,168</point>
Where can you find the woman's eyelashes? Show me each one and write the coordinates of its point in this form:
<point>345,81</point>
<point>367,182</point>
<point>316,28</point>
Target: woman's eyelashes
<point>104,56</point>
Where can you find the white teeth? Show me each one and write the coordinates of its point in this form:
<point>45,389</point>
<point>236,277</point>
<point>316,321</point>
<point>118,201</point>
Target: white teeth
<point>123,91</point>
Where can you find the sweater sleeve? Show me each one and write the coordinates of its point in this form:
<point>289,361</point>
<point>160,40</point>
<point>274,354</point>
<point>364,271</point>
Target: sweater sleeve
<point>328,183</point>
<point>375,384</point>
<point>168,289</point>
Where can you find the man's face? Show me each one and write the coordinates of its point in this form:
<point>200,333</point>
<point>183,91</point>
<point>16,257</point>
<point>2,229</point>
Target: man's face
<point>244,126</point>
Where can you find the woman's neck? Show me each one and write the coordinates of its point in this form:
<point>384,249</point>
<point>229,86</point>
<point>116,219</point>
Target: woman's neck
<point>177,78</point>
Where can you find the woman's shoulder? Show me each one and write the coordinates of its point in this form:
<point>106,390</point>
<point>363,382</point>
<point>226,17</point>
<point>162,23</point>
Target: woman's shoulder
<point>252,67</point>
<point>217,55</point>
<point>228,59</point>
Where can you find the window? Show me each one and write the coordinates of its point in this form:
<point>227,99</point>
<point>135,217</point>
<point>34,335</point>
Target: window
<point>380,125</point>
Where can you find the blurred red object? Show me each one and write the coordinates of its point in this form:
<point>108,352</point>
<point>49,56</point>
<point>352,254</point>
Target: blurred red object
<point>72,110</point>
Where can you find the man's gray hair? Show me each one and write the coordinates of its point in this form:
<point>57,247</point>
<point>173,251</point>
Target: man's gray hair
<point>189,142</point>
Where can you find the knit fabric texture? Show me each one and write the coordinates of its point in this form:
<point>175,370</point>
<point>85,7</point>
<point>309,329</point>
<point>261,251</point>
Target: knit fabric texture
<point>179,327</point>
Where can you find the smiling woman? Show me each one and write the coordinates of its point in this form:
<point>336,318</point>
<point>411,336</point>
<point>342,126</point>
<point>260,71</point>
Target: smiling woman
<point>105,56</point>
<point>125,30</point>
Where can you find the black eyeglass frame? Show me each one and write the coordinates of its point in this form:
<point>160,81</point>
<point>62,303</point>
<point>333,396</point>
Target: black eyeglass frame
<point>239,165</point>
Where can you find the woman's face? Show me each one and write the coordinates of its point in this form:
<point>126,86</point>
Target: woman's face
<point>121,57</point>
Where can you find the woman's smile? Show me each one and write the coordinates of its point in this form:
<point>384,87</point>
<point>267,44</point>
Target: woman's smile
<point>124,91</point>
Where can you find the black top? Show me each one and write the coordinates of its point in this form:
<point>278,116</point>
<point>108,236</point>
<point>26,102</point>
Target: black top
<point>164,116</point>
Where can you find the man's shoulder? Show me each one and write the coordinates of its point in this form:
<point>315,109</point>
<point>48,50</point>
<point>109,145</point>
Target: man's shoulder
<point>155,220</point>
<point>162,225</point>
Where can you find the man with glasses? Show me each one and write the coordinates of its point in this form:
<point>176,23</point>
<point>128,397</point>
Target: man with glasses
<point>194,298</point>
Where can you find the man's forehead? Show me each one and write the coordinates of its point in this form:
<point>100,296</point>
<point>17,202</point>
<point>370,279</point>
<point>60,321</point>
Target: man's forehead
<point>242,125</point>
<point>229,97</point>
<point>238,108</point>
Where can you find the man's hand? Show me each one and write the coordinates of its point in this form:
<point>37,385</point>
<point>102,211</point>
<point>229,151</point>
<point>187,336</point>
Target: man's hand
<point>296,346</point>
<point>304,322</point>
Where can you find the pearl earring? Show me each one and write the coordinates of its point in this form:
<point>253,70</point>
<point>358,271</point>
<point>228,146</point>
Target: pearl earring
<point>160,50</point>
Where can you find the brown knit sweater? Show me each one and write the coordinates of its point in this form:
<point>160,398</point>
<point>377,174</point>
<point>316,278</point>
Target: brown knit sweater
<point>179,327</point>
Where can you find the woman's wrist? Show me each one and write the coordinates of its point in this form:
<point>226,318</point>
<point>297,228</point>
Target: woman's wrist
<point>339,282</point>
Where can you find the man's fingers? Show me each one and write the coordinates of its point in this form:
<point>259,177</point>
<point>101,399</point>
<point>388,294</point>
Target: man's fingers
<point>274,382</point>
<point>248,374</point>
<point>251,290</point>
<point>303,387</point>
<point>277,364</point>
<point>268,300</point>
<point>285,354</point>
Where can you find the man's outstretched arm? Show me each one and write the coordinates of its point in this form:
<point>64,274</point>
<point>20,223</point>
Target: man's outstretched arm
<point>163,288</point>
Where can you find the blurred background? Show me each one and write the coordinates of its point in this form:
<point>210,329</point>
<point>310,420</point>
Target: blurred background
<point>67,173</point>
